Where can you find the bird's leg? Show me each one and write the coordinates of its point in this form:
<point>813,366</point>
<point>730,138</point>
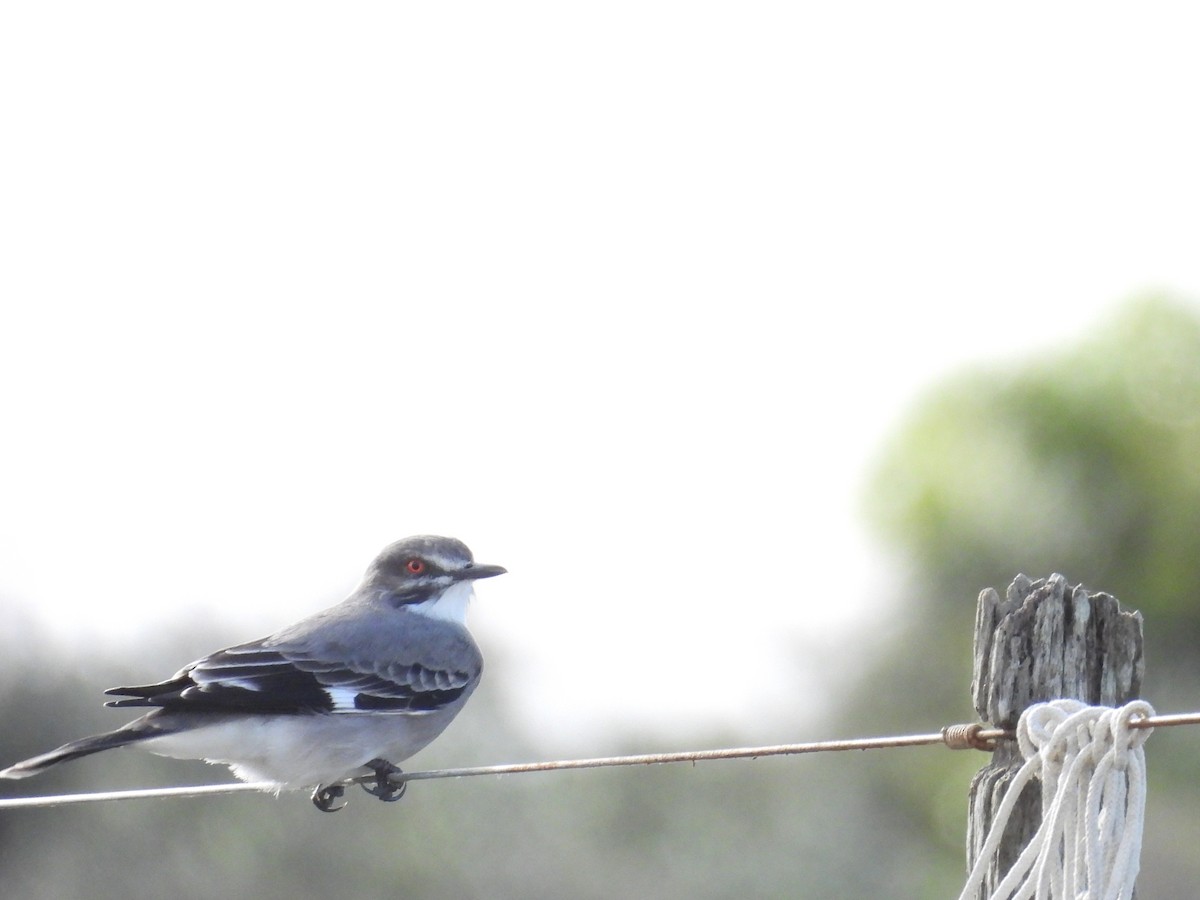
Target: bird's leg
<point>324,796</point>
<point>384,788</point>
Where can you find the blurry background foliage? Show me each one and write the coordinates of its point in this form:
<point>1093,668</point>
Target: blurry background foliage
<point>1084,460</point>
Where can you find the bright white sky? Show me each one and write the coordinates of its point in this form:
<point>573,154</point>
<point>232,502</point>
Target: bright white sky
<point>625,295</point>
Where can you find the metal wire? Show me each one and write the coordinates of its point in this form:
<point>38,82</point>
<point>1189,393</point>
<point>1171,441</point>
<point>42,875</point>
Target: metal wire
<point>943,737</point>
<point>692,756</point>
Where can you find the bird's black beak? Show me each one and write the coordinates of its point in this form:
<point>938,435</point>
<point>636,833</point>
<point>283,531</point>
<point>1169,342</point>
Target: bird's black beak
<point>474,572</point>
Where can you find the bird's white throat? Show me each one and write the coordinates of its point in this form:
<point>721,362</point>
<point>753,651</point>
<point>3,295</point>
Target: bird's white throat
<point>451,605</point>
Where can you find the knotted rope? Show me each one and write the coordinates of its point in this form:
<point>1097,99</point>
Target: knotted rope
<point>1093,772</point>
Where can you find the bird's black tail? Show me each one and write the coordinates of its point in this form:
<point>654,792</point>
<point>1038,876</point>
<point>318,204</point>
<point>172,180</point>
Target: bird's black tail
<point>82,747</point>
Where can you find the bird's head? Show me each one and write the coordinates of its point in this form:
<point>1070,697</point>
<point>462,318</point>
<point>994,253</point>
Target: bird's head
<point>423,568</point>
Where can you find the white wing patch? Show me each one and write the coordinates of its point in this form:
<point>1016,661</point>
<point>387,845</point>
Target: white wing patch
<point>246,684</point>
<point>342,698</point>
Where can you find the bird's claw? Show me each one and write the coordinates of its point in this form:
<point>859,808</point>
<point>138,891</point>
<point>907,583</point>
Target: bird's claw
<point>325,795</point>
<point>383,787</point>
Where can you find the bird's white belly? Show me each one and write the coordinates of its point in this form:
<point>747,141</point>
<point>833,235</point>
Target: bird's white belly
<point>302,751</point>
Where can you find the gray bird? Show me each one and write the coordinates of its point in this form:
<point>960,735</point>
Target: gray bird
<point>348,691</point>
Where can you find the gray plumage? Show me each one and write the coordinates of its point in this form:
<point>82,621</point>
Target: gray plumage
<point>362,685</point>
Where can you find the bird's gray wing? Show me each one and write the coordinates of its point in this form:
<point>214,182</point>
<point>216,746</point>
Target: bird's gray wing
<point>268,676</point>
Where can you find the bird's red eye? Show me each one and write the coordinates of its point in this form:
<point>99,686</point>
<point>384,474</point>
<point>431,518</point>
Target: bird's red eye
<point>416,566</point>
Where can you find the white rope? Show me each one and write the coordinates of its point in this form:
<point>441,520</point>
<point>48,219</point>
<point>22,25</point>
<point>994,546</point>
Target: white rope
<point>1093,772</point>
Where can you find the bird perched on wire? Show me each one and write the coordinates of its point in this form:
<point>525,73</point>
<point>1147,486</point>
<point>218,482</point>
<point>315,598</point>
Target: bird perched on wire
<point>346,692</point>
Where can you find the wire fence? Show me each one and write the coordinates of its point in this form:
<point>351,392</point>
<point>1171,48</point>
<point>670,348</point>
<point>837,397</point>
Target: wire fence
<point>957,737</point>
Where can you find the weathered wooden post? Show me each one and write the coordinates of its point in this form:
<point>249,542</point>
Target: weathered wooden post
<point>1044,641</point>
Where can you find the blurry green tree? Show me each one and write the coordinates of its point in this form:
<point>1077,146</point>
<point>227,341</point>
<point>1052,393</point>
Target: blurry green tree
<point>1084,461</point>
